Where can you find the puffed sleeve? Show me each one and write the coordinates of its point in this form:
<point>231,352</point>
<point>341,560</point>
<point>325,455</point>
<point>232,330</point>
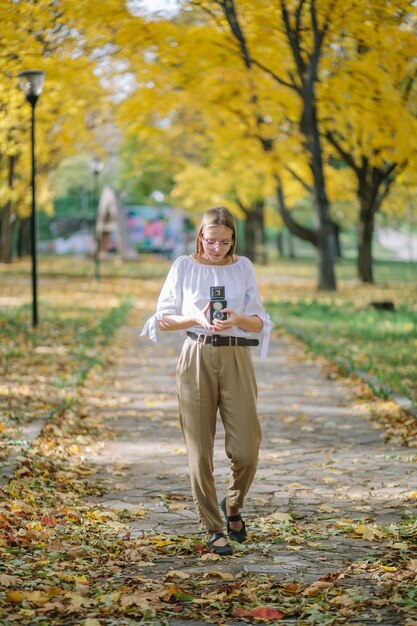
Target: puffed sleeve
<point>169,301</point>
<point>253,306</point>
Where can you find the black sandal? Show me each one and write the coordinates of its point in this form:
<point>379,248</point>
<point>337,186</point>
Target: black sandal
<point>235,535</point>
<point>221,550</point>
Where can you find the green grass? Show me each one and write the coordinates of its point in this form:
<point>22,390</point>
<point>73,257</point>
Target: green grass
<point>42,367</point>
<point>340,325</point>
<point>382,344</point>
<point>148,267</point>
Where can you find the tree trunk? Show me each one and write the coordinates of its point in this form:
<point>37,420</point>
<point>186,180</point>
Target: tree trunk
<point>254,237</point>
<point>365,238</point>
<point>327,241</point>
<point>373,187</point>
<point>303,83</point>
<point>369,204</point>
<point>6,231</point>
<point>23,240</point>
<point>339,252</point>
<point>6,219</point>
<point>280,244</point>
<point>255,233</point>
<point>291,246</point>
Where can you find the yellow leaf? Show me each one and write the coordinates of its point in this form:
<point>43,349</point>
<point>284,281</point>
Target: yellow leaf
<point>281,517</point>
<point>366,532</point>
<point>177,574</point>
<point>222,575</point>
<point>35,526</point>
<point>117,525</point>
<point>80,579</point>
<point>389,568</point>
<point>343,521</point>
<point>78,601</point>
<point>36,597</point>
<point>90,621</point>
<point>343,600</point>
<point>15,596</point>
<point>109,598</point>
<point>97,514</point>
<point>177,506</point>
<point>162,544</point>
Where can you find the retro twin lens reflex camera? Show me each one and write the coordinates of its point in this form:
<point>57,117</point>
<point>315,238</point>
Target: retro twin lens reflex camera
<point>217,303</point>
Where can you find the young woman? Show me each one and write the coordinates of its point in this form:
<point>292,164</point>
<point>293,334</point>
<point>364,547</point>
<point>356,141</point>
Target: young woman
<point>213,297</point>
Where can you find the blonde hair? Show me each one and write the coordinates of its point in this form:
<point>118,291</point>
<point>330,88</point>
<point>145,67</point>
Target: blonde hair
<point>216,216</point>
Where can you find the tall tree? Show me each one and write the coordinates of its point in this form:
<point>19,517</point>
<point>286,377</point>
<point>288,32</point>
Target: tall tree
<point>303,32</point>
<point>369,107</point>
<point>193,124</point>
<point>351,66</point>
<point>64,41</point>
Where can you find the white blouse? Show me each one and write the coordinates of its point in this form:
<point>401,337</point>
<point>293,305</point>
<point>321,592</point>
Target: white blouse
<point>186,291</point>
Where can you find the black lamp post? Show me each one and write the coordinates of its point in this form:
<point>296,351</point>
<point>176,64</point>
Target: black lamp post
<point>96,166</point>
<point>31,84</point>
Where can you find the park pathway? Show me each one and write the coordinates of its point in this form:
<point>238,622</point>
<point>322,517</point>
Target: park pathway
<point>323,460</point>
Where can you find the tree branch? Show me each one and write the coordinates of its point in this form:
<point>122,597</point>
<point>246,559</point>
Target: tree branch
<point>231,16</point>
<point>294,41</point>
<point>277,78</point>
<point>300,180</point>
<point>345,155</point>
<point>307,234</point>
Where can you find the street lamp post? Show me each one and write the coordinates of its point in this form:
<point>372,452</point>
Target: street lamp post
<point>31,84</point>
<point>96,166</point>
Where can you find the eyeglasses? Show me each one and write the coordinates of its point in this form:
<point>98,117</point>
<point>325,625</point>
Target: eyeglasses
<point>219,244</point>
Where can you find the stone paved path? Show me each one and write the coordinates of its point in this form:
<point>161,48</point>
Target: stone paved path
<point>321,456</point>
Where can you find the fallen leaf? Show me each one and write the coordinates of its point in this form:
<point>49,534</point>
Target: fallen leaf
<point>222,575</point>
<point>412,565</point>
<point>316,587</point>
<point>177,574</point>
<point>15,596</point>
<point>365,531</point>
<point>7,580</point>
<point>327,508</point>
<point>281,517</point>
<point>267,613</point>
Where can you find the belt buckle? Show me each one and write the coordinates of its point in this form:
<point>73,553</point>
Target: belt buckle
<point>215,340</point>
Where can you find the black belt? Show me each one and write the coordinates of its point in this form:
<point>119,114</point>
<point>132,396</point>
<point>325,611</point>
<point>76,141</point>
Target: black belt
<point>219,340</point>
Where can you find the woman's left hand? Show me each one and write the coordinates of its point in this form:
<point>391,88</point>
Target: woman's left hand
<point>232,320</point>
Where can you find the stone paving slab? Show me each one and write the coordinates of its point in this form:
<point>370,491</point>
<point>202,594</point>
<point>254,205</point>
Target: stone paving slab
<point>321,455</point>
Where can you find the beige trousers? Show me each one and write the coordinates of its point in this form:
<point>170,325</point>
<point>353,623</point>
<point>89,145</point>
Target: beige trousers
<point>211,378</point>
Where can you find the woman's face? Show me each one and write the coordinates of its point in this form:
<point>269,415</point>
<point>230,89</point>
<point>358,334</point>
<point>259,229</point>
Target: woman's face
<point>216,242</point>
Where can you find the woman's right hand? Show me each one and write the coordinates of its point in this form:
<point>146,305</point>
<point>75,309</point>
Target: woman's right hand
<point>202,320</point>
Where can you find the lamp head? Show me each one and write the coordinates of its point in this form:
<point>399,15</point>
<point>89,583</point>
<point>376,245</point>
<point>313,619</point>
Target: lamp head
<point>31,84</point>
